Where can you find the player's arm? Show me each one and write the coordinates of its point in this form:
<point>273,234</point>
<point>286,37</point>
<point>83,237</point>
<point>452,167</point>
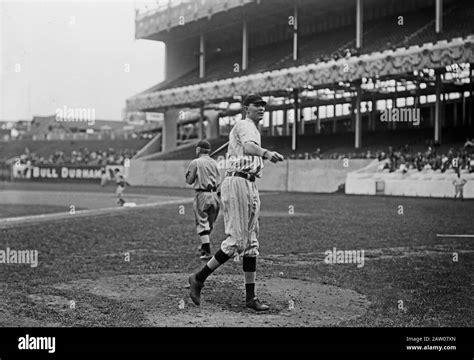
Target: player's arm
<point>251,148</point>
<point>248,138</point>
<point>191,173</point>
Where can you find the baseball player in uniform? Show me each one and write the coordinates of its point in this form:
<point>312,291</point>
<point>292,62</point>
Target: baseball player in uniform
<point>103,176</point>
<point>459,183</point>
<point>120,181</point>
<point>240,202</point>
<point>203,173</point>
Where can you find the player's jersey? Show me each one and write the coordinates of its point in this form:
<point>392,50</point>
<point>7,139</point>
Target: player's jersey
<point>242,132</point>
<point>120,180</point>
<point>203,173</point>
<point>459,182</point>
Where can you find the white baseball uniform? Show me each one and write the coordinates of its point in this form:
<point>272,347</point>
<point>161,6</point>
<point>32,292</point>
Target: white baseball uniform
<point>239,196</point>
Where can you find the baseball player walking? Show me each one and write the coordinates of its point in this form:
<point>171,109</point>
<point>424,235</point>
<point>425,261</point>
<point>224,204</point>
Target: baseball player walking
<point>203,173</point>
<point>121,182</point>
<point>240,202</point>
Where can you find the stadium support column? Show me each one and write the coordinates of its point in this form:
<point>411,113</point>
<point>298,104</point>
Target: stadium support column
<point>334,122</point>
<point>471,92</point>
<point>170,129</point>
<point>353,112</point>
<point>417,103</point>
<point>373,114</point>
<point>201,121</point>
<point>286,128</point>
<point>437,118</point>
<point>359,19</point>
<point>295,120</point>
<point>202,57</point>
<point>295,32</point>
<point>301,121</point>
<point>213,128</point>
<point>318,120</point>
<point>439,16</point>
<point>245,52</point>
<point>358,117</point>
<point>270,122</point>
<point>463,109</point>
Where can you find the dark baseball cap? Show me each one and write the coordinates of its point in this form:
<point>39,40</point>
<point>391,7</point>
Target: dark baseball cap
<point>254,99</point>
<point>204,144</point>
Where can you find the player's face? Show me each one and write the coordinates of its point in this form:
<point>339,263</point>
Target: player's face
<point>255,111</point>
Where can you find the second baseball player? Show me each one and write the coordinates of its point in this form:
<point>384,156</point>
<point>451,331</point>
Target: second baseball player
<point>203,173</point>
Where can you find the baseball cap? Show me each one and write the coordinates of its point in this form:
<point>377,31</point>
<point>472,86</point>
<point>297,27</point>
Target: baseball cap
<point>254,99</point>
<point>204,144</point>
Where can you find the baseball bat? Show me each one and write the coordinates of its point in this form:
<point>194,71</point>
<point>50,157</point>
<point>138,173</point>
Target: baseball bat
<point>220,149</point>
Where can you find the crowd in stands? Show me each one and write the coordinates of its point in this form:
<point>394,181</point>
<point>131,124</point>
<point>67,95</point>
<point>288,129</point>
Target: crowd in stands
<point>81,156</point>
<point>341,54</point>
<point>455,159</point>
<point>404,159</point>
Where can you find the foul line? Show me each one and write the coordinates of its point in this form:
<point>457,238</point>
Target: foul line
<point>455,235</point>
<point>23,220</point>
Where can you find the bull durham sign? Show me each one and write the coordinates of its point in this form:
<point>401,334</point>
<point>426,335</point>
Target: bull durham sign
<point>63,172</point>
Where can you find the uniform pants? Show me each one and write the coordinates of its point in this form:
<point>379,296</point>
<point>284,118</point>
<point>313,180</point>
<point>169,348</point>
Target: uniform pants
<point>206,208</point>
<point>241,208</point>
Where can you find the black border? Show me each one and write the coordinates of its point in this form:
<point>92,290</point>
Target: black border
<point>126,341</point>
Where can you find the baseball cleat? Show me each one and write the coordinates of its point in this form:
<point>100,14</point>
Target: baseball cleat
<point>256,304</point>
<point>195,288</point>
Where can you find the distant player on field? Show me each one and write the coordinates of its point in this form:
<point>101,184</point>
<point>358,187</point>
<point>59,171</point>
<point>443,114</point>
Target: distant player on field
<point>203,173</point>
<point>103,176</point>
<point>120,181</point>
<point>458,186</point>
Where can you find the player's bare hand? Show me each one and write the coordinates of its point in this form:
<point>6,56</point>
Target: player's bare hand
<point>274,157</point>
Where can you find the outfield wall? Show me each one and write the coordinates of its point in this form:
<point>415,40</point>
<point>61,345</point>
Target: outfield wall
<point>323,176</point>
<point>413,183</point>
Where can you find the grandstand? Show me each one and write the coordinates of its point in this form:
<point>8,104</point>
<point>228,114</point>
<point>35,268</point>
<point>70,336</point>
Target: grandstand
<point>44,140</point>
<point>328,69</point>
<point>380,34</point>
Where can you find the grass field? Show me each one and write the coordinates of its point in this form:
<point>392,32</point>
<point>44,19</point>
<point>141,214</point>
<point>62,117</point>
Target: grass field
<point>83,261</point>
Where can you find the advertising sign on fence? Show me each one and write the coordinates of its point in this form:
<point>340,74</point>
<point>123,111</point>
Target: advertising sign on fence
<point>58,172</point>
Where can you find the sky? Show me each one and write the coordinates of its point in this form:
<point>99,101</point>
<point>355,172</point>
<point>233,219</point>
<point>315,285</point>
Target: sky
<point>73,55</point>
